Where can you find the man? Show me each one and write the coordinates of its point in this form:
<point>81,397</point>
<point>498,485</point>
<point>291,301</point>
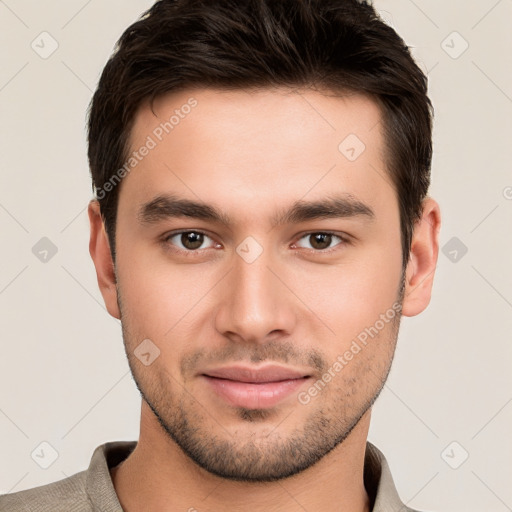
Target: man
<point>261,223</point>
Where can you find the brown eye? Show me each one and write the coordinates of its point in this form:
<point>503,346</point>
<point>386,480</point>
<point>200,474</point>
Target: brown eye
<point>189,240</point>
<point>321,241</point>
<point>192,240</point>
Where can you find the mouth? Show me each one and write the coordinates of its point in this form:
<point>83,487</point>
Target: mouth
<point>254,388</point>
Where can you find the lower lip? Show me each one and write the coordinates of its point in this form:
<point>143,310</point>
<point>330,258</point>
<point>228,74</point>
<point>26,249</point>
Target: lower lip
<point>252,395</point>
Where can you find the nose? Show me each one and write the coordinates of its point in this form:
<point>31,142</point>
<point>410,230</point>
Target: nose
<point>255,305</point>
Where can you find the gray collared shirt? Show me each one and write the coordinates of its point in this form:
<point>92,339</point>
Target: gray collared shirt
<point>92,490</point>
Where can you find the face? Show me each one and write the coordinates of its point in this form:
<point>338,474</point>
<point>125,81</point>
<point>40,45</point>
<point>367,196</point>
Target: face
<point>258,250</point>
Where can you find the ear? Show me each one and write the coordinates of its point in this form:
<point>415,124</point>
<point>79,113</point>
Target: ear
<point>422,259</point>
<point>99,248</point>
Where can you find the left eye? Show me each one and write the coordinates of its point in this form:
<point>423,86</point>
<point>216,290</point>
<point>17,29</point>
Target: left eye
<point>188,240</point>
<point>320,241</point>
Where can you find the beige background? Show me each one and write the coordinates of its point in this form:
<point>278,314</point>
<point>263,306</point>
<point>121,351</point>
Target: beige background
<point>63,375</point>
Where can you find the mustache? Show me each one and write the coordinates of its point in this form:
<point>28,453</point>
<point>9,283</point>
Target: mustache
<point>272,351</point>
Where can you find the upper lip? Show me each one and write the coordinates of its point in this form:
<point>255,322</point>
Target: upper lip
<point>268,373</point>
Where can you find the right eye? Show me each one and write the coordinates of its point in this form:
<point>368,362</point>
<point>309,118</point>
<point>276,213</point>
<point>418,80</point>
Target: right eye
<point>188,241</point>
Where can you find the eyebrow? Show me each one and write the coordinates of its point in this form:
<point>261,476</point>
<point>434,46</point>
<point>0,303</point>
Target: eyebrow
<point>168,206</point>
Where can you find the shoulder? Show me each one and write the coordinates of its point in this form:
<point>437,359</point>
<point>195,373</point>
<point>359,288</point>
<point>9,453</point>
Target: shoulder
<point>379,483</point>
<point>66,495</point>
<point>87,491</point>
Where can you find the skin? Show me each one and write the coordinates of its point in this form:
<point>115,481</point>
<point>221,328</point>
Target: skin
<point>252,154</point>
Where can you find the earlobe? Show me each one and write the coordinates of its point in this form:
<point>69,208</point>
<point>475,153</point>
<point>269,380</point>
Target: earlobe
<point>99,249</point>
<point>423,260</point>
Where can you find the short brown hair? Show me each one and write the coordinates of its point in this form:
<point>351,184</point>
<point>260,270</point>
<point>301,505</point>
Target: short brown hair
<point>338,45</point>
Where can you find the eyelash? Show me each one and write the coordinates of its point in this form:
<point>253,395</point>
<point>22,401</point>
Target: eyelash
<point>344,240</point>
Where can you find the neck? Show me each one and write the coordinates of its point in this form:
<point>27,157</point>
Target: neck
<point>159,476</point>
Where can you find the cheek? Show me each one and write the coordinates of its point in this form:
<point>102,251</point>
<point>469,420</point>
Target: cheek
<point>159,298</point>
<point>351,296</point>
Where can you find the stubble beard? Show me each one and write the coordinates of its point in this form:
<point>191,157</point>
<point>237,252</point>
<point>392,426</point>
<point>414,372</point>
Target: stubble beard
<point>265,454</point>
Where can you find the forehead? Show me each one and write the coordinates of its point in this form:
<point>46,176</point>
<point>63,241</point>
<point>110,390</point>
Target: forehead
<point>257,147</point>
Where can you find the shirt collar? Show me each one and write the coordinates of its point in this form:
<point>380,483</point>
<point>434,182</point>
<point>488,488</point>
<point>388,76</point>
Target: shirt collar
<point>100,489</point>
<point>379,483</point>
